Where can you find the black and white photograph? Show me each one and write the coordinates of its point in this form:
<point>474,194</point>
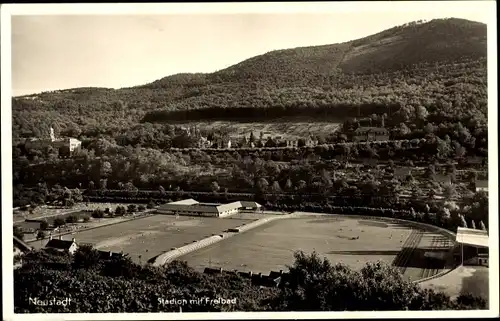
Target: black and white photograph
<point>213,160</point>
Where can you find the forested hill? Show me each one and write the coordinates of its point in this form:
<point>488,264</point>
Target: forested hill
<point>440,65</point>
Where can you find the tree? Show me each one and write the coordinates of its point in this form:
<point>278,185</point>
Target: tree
<point>262,185</point>
<point>77,195</point>
<point>86,257</point>
<point>59,221</point>
<point>44,225</point>
<point>71,219</point>
<point>275,188</point>
<point>98,214</point>
<point>301,185</point>
<point>421,113</point>
<point>41,235</point>
<point>103,183</point>
<point>17,231</point>
<point>463,222</point>
<point>449,191</point>
<point>129,187</point>
<point>215,187</point>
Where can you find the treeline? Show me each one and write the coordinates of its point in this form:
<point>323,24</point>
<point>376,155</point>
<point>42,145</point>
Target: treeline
<point>118,285</point>
<point>297,109</point>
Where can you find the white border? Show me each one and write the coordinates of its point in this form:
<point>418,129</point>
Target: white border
<point>486,7</point>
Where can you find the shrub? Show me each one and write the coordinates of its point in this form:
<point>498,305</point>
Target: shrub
<point>98,214</point>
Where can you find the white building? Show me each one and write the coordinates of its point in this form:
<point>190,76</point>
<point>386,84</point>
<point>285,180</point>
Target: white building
<point>194,208</point>
<point>62,245</point>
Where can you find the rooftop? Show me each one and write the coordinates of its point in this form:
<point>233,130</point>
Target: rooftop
<point>59,244</point>
<point>367,129</point>
<point>472,237</point>
<point>207,207</point>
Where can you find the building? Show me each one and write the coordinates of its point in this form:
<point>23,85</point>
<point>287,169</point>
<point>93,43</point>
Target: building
<point>20,248</point>
<point>108,255</point>
<point>30,226</point>
<point>292,143</point>
<point>65,146</point>
<point>481,185</point>
<point>194,208</point>
<point>367,134</point>
<point>310,141</point>
<point>62,245</point>
<point>274,279</point>
<point>473,247</point>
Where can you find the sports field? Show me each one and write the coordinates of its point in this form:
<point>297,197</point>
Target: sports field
<point>147,237</point>
<point>340,239</point>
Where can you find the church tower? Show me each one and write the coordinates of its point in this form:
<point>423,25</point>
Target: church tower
<point>52,135</point>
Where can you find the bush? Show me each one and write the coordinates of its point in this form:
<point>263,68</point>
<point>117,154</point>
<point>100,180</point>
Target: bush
<point>98,214</point>
<point>59,221</point>
<point>132,208</point>
<point>72,219</point>
<point>151,204</point>
<point>86,218</point>
<point>141,208</point>
<point>120,211</point>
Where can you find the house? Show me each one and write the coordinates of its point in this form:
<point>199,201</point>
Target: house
<point>222,142</point>
<point>250,205</point>
<point>20,248</point>
<point>292,143</point>
<point>62,245</point>
<point>481,185</point>
<point>212,271</point>
<point>203,142</point>
<point>311,141</point>
<point>66,145</point>
<point>107,255</point>
<point>265,280</point>
<point>366,134</point>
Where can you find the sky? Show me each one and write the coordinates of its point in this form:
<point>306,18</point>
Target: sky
<point>58,51</point>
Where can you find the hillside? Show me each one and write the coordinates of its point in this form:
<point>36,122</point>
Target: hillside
<point>418,64</point>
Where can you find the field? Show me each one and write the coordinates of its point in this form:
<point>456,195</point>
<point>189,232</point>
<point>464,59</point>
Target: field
<point>340,239</point>
<point>147,237</point>
<point>285,129</point>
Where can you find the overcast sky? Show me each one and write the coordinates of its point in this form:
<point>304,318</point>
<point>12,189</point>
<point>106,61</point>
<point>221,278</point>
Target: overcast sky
<point>66,51</point>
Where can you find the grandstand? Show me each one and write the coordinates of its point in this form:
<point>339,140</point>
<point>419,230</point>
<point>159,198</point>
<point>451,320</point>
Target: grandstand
<point>473,246</point>
<point>194,208</point>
